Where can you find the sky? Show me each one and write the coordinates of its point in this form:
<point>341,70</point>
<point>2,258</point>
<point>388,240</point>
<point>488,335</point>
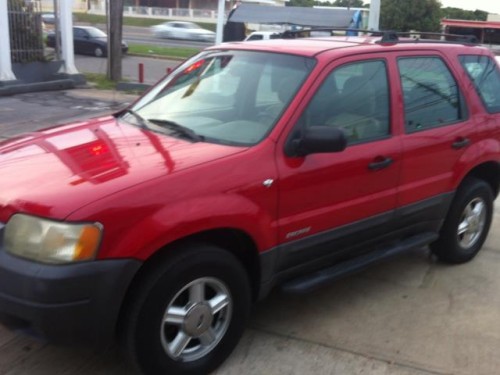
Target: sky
<point>490,6</point>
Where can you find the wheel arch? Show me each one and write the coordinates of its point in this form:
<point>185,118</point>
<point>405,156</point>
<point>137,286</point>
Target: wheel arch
<point>234,241</point>
<point>489,172</point>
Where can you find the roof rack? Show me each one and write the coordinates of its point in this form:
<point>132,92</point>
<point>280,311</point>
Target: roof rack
<point>390,36</point>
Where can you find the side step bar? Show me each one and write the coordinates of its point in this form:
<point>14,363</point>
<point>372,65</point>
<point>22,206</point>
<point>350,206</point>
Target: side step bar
<point>310,282</point>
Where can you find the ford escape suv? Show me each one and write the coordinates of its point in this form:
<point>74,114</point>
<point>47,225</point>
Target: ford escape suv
<point>252,165</point>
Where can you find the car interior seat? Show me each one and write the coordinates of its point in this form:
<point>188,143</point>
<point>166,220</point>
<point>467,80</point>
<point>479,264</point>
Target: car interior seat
<point>354,111</point>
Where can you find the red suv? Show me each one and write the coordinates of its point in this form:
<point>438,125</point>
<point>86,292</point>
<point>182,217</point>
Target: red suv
<point>252,164</point>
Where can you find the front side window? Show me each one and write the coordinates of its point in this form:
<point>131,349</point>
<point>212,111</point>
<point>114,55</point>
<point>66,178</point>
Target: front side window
<point>354,98</point>
<point>431,94</point>
<point>484,72</point>
<point>231,97</point>
<point>79,33</point>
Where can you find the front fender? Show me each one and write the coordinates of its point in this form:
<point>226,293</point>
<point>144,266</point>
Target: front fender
<point>185,218</point>
<point>144,218</point>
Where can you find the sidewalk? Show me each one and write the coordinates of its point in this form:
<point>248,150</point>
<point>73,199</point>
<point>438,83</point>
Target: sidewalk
<point>33,111</point>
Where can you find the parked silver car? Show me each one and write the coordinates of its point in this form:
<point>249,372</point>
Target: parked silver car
<point>182,30</point>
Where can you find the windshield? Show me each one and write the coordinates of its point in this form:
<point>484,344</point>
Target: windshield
<point>96,33</point>
<point>230,97</point>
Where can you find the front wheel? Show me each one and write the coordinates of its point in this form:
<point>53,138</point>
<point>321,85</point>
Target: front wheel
<point>189,314</point>
<point>467,223</point>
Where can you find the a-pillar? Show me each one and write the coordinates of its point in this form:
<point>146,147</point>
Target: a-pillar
<point>6,74</point>
<point>65,8</point>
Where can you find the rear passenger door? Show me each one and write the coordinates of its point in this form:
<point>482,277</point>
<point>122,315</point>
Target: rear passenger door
<point>437,131</point>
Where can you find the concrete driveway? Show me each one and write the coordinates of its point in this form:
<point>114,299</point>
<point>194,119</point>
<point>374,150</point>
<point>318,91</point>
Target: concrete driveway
<point>407,316</point>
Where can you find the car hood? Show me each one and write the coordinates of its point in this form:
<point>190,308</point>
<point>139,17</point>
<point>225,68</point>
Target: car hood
<point>56,171</point>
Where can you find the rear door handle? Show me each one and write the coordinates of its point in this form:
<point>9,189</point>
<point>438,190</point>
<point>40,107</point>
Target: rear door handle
<point>460,143</point>
<point>380,163</point>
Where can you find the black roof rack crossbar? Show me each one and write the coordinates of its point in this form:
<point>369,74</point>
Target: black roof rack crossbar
<point>390,36</point>
<point>458,38</point>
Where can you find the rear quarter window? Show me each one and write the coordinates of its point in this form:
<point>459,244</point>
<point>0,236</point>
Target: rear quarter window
<point>485,74</point>
<point>431,94</point>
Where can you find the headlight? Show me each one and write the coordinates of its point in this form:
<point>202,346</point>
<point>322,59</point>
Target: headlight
<point>51,241</point>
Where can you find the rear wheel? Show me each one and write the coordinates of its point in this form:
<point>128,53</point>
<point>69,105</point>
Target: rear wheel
<point>189,314</point>
<point>467,223</point>
<point>98,52</point>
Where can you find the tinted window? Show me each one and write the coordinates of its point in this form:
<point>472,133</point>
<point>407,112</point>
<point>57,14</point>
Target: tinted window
<point>355,98</point>
<point>79,33</point>
<point>486,77</point>
<point>431,95</point>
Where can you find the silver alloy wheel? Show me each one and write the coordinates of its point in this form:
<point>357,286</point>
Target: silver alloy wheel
<point>472,223</point>
<point>196,319</point>
<point>98,52</point>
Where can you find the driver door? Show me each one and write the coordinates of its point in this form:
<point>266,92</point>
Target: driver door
<point>333,203</point>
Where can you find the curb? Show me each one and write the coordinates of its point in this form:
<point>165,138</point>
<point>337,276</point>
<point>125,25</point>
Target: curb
<point>22,88</point>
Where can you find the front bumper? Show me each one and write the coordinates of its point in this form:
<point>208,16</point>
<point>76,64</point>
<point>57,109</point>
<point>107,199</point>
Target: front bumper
<point>76,303</point>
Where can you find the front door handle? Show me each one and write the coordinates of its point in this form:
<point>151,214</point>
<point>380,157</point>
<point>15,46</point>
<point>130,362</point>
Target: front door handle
<point>460,143</point>
<point>380,163</point>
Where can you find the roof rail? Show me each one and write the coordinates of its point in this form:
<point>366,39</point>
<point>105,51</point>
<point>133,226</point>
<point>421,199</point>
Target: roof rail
<point>390,36</point>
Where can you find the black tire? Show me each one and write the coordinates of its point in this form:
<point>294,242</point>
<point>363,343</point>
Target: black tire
<point>467,223</point>
<point>150,340</point>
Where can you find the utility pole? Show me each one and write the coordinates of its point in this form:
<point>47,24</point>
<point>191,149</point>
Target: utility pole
<point>115,25</point>
<point>374,16</point>
<point>220,22</point>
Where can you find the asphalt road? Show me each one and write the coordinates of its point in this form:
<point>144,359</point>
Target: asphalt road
<point>407,316</point>
<point>142,35</point>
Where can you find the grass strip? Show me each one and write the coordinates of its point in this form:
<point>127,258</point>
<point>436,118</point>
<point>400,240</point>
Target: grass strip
<point>100,81</point>
<point>170,52</point>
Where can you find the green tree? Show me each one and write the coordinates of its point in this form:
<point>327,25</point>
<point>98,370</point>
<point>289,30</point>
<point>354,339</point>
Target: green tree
<point>349,3</point>
<point>406,15</point>
<point>461,14</point>
<point>300,3</point>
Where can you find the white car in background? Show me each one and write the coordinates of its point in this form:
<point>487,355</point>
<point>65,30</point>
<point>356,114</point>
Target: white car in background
<point>182,30</point>
<point>263,35</point>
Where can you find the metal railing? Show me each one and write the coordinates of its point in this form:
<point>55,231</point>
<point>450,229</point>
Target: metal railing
<point>26,32</point>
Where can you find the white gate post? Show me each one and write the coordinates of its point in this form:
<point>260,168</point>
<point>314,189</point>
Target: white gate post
<point>220,22</point>
<point>374,16</point>
<point>65,8</point>
<point>6,73</point>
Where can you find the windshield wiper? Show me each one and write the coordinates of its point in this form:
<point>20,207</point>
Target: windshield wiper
<point>179,129</point>
<point>143,123</point>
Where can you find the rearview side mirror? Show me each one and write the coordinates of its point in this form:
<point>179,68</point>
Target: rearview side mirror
<point>316,139</point>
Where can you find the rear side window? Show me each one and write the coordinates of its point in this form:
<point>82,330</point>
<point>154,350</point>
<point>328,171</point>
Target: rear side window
<point>484,72</point>
<point>431,94</point>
